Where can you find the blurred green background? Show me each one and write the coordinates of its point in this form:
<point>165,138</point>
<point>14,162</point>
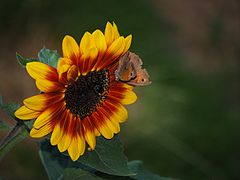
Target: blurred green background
<point>186,124</point>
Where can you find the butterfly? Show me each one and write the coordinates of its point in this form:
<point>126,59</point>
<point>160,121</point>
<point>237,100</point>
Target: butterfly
<point>130,70</point>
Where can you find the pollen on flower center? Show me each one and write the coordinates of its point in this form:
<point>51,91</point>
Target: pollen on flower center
<point>87,92</point>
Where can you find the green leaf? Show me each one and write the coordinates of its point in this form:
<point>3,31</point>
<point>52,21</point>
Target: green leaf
<point>49,57</point>
<point>143,174</point>
<point>59,166</point>
<point>51,164</point>
<point>23,61</point>
<point>108,157</point>
<point>3,126</point>
<point>55,162</point>
<point>45,56</point>
<point>73,173</point>
<point>136,166</point>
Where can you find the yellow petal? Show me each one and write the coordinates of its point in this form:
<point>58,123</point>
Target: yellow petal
<point>89,134</point>
<point>48,86</point>
<point>62,64</point>
<point>109,33</point>
<point>81,143</point>
<point>67,136</point>
<point>43,131</point>
<point>72,73</point>
<point>111,122</point>
<point>73,150</point>
<point>86,43</point>
<point>70,48</point>
<point>122,93</point>
<point>42,101</point>
<point>96,132</point>
<point>91,139</point>
<point>58,130</point>
<point>105,131</point>
<point>129,97</point>
<point>38,70</point>
<point>116,47</point>
<point>129,87</point>
<point>100,41</point>
<point>113,52</point>
<point>62,71</point>
<point>65,142</point>
<point>121,114</point>
<point>76,148</point>
<point>101,125</point>
<point>64,68</point>
<point>89,58</point>
<point>119,111</point>
<point>56,134</point>
<point>115,30</point>
<point>50,114</point>
<point>128,41</point>
<point>25,114</point>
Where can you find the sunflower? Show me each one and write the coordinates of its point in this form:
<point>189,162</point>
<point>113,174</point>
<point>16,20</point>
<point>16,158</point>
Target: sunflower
<point>81,98</point>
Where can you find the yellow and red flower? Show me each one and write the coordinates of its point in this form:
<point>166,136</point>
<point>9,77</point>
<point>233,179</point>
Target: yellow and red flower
<point>81,99</point>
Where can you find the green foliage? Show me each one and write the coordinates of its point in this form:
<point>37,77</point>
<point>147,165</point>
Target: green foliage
<point>51,161</point>
<point>45,55</point>
<point>73,173</point>
<point>49,57</point>
<point>60,166</point>
<point>108,157</point>
<point>23,61</point>
<point>143,174</point>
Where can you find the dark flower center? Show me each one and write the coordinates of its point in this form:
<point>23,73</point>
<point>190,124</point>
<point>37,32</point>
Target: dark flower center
<point>87,92</point>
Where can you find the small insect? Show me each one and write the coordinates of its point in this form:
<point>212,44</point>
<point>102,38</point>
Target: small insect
<point>130,70</point>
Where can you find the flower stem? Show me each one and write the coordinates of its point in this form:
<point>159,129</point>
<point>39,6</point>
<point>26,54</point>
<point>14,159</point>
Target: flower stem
<point>15,135</point>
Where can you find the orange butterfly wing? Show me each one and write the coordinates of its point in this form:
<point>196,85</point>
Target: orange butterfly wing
<point>142,78</point>
<point>130,70</point>
<point>125,71</point>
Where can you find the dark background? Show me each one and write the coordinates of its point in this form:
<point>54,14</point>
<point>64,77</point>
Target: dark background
<point>186,124</point>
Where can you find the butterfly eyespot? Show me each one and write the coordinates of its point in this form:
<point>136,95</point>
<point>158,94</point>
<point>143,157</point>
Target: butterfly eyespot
<point>142,80</point>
